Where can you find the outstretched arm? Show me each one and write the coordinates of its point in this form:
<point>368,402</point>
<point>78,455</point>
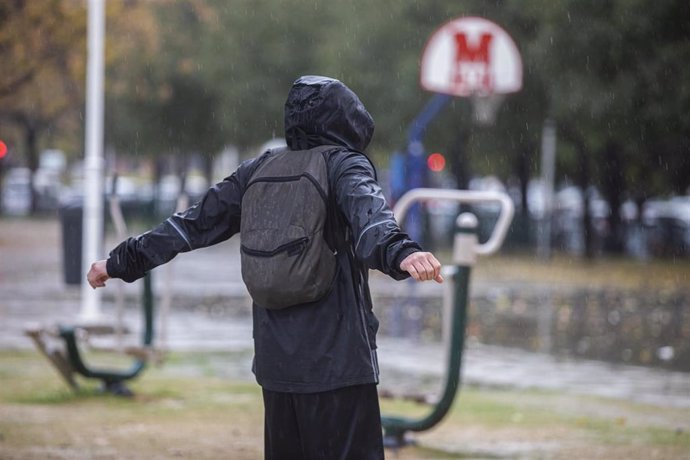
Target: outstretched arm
<point>215,218</point>
<point>378,240</point>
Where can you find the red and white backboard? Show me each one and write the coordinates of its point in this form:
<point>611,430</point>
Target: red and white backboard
<point>469,56</point>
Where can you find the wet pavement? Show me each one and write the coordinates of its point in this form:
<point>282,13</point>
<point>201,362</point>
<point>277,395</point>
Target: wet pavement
<point>210,312</point>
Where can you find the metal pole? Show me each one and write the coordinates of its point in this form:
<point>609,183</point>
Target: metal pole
<point>548,170</point>
<point>93,163</point>
<point>464,256</point>
<point>465,250</point>
<point>415,163</point>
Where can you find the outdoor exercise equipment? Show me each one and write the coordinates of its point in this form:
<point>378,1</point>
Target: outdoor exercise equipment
<point>113,379</point>
<point>68,358</point>
<point>466,247</point>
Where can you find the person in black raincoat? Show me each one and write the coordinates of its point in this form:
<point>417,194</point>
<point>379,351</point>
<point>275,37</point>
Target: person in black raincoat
<point>316,363</point>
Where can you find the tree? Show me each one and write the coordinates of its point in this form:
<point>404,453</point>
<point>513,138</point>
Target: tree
<point>42,49</point>
<point>599,68</point>
<point>159,101</point>
<point>611,98</point>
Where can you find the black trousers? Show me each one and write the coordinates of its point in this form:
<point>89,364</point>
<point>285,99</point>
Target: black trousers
<point>333,425</point>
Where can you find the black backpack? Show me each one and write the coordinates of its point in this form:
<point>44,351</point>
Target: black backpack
<point>285,258</point>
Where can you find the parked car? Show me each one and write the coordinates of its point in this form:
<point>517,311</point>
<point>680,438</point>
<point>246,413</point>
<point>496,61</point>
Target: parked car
<point>16,192</point>
<point>668,226</point>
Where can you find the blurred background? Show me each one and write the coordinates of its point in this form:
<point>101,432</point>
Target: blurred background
<point>193,87</point>
<point>598,270</point>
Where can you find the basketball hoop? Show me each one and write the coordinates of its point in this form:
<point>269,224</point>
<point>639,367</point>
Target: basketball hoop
<point>474,58</point>
<point>485,107</point>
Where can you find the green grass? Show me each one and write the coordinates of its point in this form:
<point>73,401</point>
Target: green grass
<point>566,271</point>
<point>542,415</point>
<point>181,410</point>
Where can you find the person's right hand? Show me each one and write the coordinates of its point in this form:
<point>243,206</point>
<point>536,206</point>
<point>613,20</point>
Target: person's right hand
<point>98,274</point>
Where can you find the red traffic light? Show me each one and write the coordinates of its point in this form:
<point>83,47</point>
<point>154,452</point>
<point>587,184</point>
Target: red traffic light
<point>3,150</point>
<point>436,162</point>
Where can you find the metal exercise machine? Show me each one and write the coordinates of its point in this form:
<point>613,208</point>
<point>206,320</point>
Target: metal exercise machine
<point>466,247</point>
<point>66,355</point>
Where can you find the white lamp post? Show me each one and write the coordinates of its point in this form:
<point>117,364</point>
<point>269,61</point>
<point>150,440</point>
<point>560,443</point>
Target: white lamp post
<point>92,243</point>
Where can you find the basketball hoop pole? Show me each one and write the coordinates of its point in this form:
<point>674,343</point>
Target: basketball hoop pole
<point>415,159</point>
<point>428,113</point>
<point>416,169</point>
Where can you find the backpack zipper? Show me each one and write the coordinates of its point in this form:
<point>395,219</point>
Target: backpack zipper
<point>304,175</point>
<point>292,248</point>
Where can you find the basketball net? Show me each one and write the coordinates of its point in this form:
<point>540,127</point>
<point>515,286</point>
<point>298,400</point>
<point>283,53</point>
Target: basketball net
<point>485,107</point>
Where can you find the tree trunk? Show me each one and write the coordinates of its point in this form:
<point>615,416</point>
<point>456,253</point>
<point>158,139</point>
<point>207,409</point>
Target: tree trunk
<point>522,170</point>
<point>523,224</point>
<point>208,167</point>
<point>583,180</point>
<point>459,161</point>
<point>31,145</point>
<point>2,179</point>
<point>613,187</point>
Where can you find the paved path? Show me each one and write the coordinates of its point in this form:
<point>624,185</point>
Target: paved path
<point>211,312</point>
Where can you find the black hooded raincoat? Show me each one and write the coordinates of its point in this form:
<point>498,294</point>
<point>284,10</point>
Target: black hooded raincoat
<point>330,343</point>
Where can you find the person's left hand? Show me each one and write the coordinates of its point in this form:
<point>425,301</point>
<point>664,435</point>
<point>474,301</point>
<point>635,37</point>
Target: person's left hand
<point>422,266</point>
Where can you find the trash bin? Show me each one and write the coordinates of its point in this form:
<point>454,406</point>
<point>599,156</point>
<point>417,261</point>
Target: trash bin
<point>71,216</point>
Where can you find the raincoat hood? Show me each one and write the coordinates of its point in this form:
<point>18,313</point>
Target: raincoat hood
<point>322,110</point>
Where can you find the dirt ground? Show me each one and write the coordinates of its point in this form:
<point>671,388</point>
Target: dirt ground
<point>184,410</point>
